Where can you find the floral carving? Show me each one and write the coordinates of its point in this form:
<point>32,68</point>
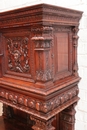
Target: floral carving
<point>44,75</point>
<point>18,59</point>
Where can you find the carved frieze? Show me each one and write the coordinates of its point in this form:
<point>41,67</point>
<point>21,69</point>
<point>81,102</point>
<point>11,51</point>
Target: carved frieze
<point>18,57</point>
<point>42,106</point>
<point>43,40</point>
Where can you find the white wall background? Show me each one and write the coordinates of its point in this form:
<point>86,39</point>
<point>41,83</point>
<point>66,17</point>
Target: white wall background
<point>81,115</point>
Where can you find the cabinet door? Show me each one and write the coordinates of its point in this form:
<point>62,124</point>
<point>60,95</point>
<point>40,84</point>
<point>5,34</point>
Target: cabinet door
<point>17,60</point>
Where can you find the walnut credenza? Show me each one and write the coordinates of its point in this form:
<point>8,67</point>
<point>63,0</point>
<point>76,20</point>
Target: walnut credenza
<point>38,65</point>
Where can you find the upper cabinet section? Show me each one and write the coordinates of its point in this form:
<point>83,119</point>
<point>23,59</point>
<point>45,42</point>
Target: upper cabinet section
<point>39,43</point>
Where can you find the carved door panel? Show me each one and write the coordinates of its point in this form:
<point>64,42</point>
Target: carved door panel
<point>17,56</point>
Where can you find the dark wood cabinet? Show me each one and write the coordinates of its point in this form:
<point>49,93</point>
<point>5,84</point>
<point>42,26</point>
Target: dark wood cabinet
<point>38,65</point>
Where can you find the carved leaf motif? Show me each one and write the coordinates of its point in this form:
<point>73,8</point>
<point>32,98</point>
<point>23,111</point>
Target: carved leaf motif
<point>44,75</point>
<point>18,59</point>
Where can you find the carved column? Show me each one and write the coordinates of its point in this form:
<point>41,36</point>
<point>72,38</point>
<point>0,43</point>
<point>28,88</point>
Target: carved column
<point>67,118</point>
<point>42,39</point>
<point>43,125</point>
<point>75,44</point>
<point>1,55</point>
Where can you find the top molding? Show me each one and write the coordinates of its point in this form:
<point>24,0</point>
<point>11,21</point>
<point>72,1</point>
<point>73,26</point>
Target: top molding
<point>43,14</point>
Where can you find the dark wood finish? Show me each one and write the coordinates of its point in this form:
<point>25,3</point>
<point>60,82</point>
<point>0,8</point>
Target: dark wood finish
<point>11,124</point>
<point>67,118</point>
<point>38,65</point>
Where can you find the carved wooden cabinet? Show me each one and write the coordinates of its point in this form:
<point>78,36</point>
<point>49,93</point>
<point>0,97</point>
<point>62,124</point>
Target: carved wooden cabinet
<point>38,65</point>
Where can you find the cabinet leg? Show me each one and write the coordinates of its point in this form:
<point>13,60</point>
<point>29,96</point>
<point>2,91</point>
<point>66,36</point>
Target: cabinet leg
<point>67,118</point>
<point>42,125</point>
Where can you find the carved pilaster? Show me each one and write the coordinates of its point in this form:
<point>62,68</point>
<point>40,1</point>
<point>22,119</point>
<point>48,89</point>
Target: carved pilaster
<point>75,44</point>
<point>43,125</point>
<point>43,40</point>
<point>67,118</point>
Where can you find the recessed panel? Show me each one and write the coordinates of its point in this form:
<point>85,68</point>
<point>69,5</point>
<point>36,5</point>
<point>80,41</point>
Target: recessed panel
<point>61,54</point>
<point>62,47</point>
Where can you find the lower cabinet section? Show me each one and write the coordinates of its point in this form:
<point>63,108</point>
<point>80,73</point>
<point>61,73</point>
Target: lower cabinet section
<point>14,119</point>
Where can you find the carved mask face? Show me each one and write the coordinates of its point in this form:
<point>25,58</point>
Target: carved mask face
<point>16,56</point>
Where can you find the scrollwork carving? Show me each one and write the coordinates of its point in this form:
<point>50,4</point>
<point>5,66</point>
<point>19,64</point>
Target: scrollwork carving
<point>18,59</point>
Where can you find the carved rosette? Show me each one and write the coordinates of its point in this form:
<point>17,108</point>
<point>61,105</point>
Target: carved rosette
<point>18,58</point>
<point>43,40</point>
